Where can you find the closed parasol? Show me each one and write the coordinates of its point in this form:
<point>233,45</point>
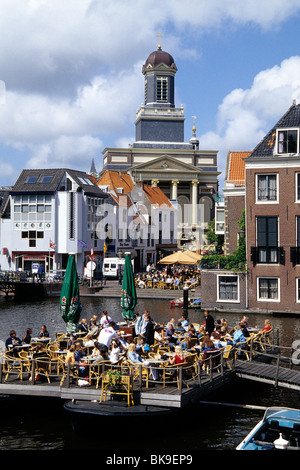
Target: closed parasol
<point>128,299</point>
<point>70,304</point>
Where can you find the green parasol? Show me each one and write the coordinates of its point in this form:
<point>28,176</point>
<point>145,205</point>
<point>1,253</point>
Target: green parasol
<point>70,305</point>
<point>128,300</point>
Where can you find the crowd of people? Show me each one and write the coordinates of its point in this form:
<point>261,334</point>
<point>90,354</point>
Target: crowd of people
<point>173,277</point>
<point>105,341</point>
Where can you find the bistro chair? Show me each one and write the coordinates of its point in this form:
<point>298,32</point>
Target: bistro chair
<point>171,371</point>
<point>13,366</point>
<point>26,362</point>
<point>135,371</point>
<point>121,385</point>
<point>96,371</point>
<point>42,366</point>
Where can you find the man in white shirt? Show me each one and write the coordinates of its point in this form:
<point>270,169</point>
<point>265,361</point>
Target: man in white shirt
<point>107,334</point>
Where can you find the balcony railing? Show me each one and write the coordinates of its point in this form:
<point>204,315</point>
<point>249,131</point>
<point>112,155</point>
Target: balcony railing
<point>267,255</point>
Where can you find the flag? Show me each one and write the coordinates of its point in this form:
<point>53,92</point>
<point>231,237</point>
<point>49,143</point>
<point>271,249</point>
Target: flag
<point>81,243</point>
<point>52,245</point>
<point>104,248</point>
<point>92,253</point>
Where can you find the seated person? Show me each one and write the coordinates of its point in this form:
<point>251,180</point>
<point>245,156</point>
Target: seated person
<point>27,337</point>
<point>12,340</point>
<point>159,333</point>
<point>133,356</point>
<point>122,341</point>
<point>100,353</point>
<point>267,327</point>
<point>40,352</point>
<point>178,358</point>
<point>114,353</point>
<point>44,332</point>
<point>143,347</point>
<point>169,336</point>
<point>83,326</point>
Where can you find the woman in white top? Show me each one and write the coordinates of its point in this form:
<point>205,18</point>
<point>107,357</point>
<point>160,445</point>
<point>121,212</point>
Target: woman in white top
<point>105,319</point>
<point>114,353</point>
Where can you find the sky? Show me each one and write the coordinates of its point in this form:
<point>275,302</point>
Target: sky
<point>71,74</point>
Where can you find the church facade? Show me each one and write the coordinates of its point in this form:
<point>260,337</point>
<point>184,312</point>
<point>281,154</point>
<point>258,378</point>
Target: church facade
<point>161,157</point>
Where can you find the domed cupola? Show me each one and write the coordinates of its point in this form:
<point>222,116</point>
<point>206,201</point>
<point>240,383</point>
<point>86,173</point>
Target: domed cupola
<point>158,119</point>
<point>159,58</point>
<point>159,71</point>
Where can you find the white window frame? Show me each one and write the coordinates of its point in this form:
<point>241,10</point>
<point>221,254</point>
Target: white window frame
<point>259,299</point>
<point>266,201</point>
<point>277,140</point>
<point>297,290</point>
<point>238,289</point>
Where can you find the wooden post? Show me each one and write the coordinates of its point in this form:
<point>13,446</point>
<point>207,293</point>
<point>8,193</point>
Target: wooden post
<point>33,372</point>
<point>180,379</point>
<point>199,372</point>
<point>277,370</point>
<point>140,378</point>
<point>222,363</point>
<point>210,368</point>
<point>68,374</point>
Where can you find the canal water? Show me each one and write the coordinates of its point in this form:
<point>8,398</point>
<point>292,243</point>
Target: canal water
<point>41,424</point>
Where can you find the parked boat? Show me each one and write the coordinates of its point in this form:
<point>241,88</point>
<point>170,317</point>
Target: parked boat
<point>83,412</point>
<point>192,303</point>
<point>279,429</point>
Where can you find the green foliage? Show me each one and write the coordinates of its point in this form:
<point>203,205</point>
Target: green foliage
<point>236,261</point>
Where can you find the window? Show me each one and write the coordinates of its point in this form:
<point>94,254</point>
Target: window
<point>297,289</point>
<point>266,188</point>
<point>287,141</point>
<point>31,179</point>
<point>228,288</point>
<point>267,239</point>
<point>161,89</point>
<point>46,179</point>
<point>268,288</point>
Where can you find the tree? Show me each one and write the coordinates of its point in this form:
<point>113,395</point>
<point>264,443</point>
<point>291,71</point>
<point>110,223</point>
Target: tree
<point>213,238</point>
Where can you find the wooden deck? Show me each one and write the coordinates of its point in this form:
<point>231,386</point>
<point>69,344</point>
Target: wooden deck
<point>156,394</point>
<point>268,373</point>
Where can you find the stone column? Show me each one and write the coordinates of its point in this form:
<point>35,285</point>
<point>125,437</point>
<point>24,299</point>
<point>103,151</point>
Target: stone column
<point>194,202</point>
<point>154,183</point>
<point>174,189</point>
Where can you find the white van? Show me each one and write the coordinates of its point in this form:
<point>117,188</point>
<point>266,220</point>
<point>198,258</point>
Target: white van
<point>112,266</point>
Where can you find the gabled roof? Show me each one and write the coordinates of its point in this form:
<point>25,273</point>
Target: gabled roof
<point>49,181</point>
<point>266,146</point>
<point>4,195</point>
<point>116,179</point>
<point>156,196</point>
<point>235,173</point>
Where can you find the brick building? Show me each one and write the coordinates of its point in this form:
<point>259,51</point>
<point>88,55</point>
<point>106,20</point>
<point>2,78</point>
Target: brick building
<point>273,218</point>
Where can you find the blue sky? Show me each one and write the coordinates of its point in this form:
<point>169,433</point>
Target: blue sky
<point>73,81</point>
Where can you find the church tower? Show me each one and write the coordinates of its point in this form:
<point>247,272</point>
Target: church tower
<point>158,120</point>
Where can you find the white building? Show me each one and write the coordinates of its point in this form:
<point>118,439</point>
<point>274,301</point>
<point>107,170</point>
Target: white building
<point>47,215</point>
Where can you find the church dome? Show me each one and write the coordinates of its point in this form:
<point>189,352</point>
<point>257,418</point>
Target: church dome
<point>159,57</point>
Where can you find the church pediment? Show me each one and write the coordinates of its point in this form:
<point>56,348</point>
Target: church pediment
<point>166,163</point>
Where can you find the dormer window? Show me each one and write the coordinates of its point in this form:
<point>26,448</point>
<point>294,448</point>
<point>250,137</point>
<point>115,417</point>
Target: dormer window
<point>287,141</point>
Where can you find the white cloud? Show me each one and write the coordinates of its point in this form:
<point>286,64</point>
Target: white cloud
<point>72,70</point>
<point>245,116</point>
